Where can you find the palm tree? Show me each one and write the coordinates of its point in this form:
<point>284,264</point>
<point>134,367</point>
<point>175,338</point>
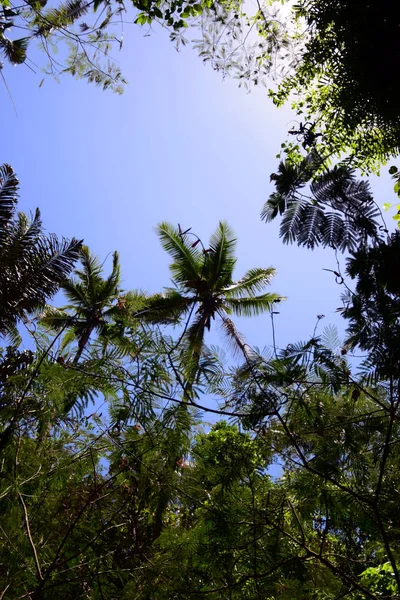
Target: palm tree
<point>94,303</point>
<point>205,290</point>
<point>33,264</point>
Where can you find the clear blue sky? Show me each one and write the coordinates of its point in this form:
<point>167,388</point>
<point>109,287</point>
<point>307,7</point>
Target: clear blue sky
<point>180,145</point>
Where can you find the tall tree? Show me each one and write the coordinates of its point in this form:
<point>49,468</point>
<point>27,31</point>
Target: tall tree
<point>93,302</point>
<point>205,289</point>
<point>33,264</point>
<point>355,108</point>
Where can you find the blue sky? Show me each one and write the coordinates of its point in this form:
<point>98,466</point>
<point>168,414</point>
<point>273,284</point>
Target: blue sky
<point>180,145</point>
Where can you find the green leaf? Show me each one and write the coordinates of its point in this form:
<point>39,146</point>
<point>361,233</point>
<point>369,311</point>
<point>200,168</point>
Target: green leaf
<point>142,19</point>
<point>157,13</point>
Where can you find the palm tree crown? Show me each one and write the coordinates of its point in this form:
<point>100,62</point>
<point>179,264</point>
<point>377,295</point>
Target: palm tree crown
<point>204,286</point>
<point>33,264</point>
<point>94,302</point>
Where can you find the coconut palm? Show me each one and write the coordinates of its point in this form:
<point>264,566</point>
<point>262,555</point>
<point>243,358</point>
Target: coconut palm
<point>94,302</point>
<point>33,264</point>
<point>205,290</point>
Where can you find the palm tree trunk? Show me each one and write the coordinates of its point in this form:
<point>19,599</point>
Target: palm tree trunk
<point>82,344</point>
<point>190,374</point>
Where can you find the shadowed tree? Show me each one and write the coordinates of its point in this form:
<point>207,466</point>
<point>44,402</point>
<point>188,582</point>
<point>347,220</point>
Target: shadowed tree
<point>336,210</point>
<point>33,264</point>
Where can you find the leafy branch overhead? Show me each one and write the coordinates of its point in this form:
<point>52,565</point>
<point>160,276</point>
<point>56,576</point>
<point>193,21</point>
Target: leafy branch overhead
<point>313,55</point>
<point>79,37</point>
<point>336,210</point>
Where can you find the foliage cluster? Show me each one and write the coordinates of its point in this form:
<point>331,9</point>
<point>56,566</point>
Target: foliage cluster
<point>335,61</point>
<point>112,484</point>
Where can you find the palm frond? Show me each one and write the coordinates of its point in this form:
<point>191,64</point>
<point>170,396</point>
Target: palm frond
<point>134,301</point>
<point>90,275</point>
<point>221,260</point>
<point>195,336</point>
<point>253,282</point>
<point>111,284</point>
<point>252,306</point>
<point>26,233</point>
<point>33,264</point>
<point>54,260</point>
<point>274,206</point>
<point>54,318</point>
<point>33,268</point>
<point>14,336</point>
<point>205,281</point>
<point>68,338</point>
<point>67,13</point>
<point>75,292</point>
<point>187,261</point>
<point>9,186</point>
<point>167,307</point>
<point>14,50</point>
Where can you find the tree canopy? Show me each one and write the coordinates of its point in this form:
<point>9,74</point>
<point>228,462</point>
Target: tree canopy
<point>113,483</point>
<point>33,264</point>
<point>335,61</point>
<point>205,290</point>
<point>114,486</point>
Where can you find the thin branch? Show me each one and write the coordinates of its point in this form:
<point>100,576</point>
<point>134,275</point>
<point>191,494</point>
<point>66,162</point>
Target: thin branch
<point>28,532</point>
